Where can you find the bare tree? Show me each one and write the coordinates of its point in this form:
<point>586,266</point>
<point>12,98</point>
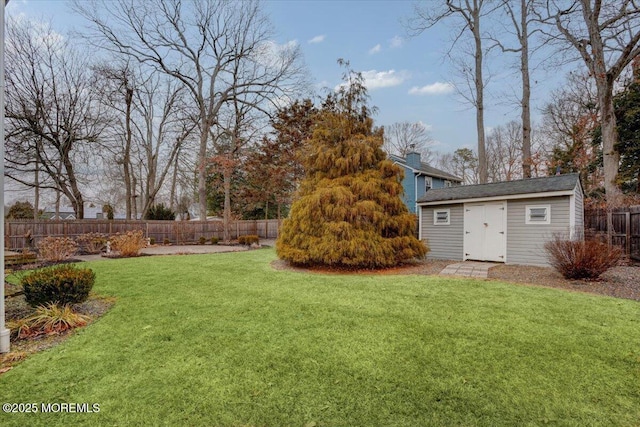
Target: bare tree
<point>404,137</point>
<point>570,119</point>
<point>117,89</point>
<point>52,111</point>
<point>166,123</point>
<point>468,15</point>
<point>463,163</point>
<point>523,18</point>
<point>504,152</point>
<point>606,35</point>
<point>199,44</point>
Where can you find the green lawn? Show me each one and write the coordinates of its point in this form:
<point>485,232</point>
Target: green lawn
<point>224,340</point>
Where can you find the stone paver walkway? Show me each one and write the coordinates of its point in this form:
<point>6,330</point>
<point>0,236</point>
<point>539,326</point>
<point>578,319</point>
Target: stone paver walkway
<point>475,269</point>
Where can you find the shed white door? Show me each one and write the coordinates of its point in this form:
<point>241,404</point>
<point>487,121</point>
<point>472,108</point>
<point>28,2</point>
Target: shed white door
<point>485,232</point>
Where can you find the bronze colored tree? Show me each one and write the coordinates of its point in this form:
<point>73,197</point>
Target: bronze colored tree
<point>348,211</point>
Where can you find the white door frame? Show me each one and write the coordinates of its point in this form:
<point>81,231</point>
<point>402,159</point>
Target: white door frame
<point>503,206</point>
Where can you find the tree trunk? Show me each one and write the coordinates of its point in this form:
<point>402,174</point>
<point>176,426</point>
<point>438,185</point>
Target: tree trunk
<point>610,155</point>
<point>202,170</point>
<point>227,203</point>
<point>126,160</point>
<point>172,198</point>
<point>526,92</point>
<point>36,195</point>
<point>479,83</point>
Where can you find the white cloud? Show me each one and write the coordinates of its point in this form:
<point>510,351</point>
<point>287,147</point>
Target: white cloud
<point>377,48</point>
<point>377,79</point>
<point>437,88</point>
<point>396,42</point>
<point>317,39</point>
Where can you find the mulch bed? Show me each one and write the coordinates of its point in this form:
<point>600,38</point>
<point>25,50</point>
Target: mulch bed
<point>620,282</point>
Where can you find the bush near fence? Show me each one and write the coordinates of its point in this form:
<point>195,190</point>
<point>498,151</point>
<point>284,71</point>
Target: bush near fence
<point>24,234</point>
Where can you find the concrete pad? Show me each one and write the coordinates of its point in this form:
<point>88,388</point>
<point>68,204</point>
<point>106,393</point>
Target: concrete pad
<point>475,269</point>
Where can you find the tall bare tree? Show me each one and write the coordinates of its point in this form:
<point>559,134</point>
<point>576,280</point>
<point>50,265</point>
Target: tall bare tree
<point>504,152</point>
<point>467,16</point>
<point>404,137</point>
<point>118,88</point>
<point>51,109</point>
<point>606,36</point>
<point>198,43</point>
<point>523,18</point>
<point>165,125</point>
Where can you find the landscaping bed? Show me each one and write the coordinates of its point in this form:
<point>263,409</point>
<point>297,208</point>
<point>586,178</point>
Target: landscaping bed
<point>621,282</point>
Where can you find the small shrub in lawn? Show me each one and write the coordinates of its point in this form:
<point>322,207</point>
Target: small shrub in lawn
<point>128,244</point>
<point>64,284</point>
<point>581,259</point>
<point>214,240</point>
<point>57,249</point>
<point>92,243</point>
<point>248,239</point>
<point>202,240</point>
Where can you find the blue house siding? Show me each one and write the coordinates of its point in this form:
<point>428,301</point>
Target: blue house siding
<point>414,179</point>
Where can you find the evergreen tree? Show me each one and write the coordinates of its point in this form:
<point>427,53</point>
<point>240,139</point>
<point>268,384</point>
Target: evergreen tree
<point>627,109</point>
<point>20,210</point>
<point>160,212</point>
<point>348,211</point>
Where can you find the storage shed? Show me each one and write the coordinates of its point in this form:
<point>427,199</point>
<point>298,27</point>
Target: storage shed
<point>504,221</point>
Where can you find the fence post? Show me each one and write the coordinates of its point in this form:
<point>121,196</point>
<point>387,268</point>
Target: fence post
<point>609,228</point>
<point>627,238</point>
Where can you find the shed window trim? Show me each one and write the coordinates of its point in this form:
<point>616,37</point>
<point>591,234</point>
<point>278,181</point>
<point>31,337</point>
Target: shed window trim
<point>441,216</point>
<point>538,214</point>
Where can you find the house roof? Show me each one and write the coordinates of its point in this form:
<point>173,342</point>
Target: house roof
<point>551,184</point>
<point>425,169</point>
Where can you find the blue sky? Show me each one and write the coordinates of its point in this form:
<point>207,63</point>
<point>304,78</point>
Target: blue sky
<point>408,78</point>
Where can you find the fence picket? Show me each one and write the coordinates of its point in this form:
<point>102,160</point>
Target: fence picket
<point>626,227</point>
<point>18,232</point>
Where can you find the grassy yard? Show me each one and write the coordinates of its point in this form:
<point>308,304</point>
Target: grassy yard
<point>224,340</point>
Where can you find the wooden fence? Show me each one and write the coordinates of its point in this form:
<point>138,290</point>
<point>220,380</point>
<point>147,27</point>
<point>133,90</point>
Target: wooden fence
<point>626,228</point>
<point>20,234</point>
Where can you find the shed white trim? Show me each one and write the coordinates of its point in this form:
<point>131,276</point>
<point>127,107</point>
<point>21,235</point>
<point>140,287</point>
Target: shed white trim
<point>498,198</point>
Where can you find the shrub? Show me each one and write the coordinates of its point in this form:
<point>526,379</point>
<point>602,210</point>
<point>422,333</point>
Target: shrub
<point>92,243</point>
<point>160,212</point>
<point>166,241</point>
<point>214,240</point>
<point>581,259</point>
<point>202,240</point>
<point>128,244</point>
<point>57,249</point>
<point>20,210</point>
<point>64,284</point>
<point>152,240</point>
<point>48,319</point>
<point>248,239</point>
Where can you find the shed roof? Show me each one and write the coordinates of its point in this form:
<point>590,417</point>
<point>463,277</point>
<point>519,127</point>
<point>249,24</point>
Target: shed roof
<point>425,169</point>
<point>508,188</point>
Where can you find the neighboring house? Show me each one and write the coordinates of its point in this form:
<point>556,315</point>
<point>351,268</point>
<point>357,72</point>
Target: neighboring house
<point>505,221</point>
<point>420,177</point>
<point>90,212</point>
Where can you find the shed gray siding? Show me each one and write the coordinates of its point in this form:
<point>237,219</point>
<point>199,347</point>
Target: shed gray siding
<point>525,242</point>
<point>579,212</point>
<point>444,241</point>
